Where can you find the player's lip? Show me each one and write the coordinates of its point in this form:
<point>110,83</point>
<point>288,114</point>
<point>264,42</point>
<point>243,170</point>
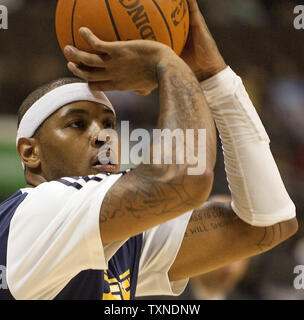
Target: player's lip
<point>99,167</point>
<point>102,168</point>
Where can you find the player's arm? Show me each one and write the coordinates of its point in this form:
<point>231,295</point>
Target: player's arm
<point>151,194</point>
<point>258,193</point>
<point>216,236</point>
<point>261,214</point>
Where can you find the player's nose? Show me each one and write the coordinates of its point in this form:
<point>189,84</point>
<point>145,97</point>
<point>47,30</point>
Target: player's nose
<point>95,142</point>
<point>95,135</point>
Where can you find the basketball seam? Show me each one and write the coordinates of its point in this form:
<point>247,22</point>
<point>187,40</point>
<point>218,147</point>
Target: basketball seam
<point>112,20</point>
<point>114,25</point>
<point>166,22</point>
<point>72,23</point>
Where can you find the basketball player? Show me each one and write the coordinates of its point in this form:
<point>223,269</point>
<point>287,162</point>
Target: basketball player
<point>81,230</point>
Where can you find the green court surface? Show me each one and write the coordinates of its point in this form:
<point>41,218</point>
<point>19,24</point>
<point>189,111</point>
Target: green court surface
<point>11,172</point>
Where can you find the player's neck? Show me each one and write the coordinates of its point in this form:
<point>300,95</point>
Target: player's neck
<point>34,180</point>
<point>30,186</point>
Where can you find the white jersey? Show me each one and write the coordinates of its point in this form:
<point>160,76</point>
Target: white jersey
<point>52,249</point>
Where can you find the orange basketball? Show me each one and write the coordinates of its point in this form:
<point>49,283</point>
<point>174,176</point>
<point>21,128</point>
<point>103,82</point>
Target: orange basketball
<point>166,21</point>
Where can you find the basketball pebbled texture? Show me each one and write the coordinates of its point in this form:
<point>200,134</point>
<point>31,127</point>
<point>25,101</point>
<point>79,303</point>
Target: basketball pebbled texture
<point>166,21</point>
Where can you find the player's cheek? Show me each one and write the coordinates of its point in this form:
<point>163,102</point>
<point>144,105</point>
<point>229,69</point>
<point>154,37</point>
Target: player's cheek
<point>79,155</point>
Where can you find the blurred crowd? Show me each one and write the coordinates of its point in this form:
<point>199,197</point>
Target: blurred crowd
<point>258,40</point>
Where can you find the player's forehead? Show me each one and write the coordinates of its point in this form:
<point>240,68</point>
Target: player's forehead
<point>87,108</point>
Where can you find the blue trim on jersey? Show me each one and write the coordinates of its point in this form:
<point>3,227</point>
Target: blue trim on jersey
<point>86,179</point>
<point>77,185</point>
<point>7,211</point>
<point>93,284</point>
<point>118,281</point>
<point>95,178</point>
<point>70,184</point>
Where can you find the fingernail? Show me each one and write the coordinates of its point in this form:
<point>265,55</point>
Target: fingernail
<point>71,65</point>
<point>82,30</point>
<point>68,50</point>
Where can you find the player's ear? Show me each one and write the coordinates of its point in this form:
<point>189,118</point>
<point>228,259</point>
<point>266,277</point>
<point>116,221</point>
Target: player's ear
<point>29,152</point>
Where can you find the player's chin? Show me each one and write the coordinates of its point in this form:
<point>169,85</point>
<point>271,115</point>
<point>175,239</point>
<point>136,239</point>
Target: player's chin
<point>105,168</point>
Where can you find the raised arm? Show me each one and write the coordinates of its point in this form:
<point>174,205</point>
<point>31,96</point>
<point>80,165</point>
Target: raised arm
<point>261,213</point>
<point>216,237</point>
<point>151,194</point>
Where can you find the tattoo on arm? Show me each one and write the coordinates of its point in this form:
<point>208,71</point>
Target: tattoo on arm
<point>211,218</point>
<point>269,237</point>
<point>183,105</point>
<point>147,191</point>
<point>215,216</point>
<point>141,194</point>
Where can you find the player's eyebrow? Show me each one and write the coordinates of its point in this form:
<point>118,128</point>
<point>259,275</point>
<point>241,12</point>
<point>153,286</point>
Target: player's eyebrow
<point>106,110</point>
<point>81,111</point>
<point>74,111</point>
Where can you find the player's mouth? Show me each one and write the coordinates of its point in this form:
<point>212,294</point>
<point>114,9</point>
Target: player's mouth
<point>102,168</point>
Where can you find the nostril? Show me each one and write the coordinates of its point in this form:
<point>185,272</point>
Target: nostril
<point>99,143</point>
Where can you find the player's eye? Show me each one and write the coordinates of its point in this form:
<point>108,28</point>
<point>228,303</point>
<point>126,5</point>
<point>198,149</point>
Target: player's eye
<point>108,124</point>
<point>77,124</point>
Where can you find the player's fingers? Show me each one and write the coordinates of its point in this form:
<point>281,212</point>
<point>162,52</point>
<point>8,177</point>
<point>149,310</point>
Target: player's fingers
<point>143,92</point>
<point>88,74</point>
<point>94,41</point>
<point>195,14</point>
<point>88,59</point>
<point>193,6</point>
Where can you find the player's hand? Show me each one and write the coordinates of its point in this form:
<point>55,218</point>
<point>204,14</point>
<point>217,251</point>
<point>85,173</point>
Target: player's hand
<point>201,52</point>
<point>120,65</point>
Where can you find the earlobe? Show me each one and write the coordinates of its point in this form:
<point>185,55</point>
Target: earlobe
<point>29,152</point>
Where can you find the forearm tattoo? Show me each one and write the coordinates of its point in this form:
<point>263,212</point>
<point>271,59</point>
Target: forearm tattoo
<point>219,216</point>
<point>146,190</point>
<point>211,218</point>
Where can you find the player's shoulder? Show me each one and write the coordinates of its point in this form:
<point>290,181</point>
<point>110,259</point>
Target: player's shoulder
<point>9,205</point>
<point>61,192</point>
<point>66,194</point>
<point>78,181</point>
<point>75,184</point>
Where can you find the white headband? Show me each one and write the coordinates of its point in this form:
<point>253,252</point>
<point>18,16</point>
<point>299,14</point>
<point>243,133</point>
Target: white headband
<point>54,100</point>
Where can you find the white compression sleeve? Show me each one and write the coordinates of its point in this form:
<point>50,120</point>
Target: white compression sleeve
<point>258,194</point>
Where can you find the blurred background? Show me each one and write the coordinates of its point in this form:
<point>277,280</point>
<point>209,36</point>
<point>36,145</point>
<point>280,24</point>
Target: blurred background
<point>258,40</point>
